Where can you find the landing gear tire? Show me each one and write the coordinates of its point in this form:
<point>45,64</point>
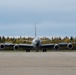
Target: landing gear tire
<point>37,50</point>
<point>44,50</point>
<point>27,50</point>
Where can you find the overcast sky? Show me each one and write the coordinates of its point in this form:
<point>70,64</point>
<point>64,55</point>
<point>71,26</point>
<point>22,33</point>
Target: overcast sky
<point>52,17</point>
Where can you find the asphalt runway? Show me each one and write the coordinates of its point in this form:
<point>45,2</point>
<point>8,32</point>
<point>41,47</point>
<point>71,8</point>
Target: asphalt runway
<point>37,63</point>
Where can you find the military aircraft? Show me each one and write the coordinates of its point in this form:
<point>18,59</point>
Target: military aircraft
<point>36,45</point>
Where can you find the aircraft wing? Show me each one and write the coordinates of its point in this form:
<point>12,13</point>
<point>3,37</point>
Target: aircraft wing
<point>57,46</point>
<point>30,46</point>
<point>25,46</point>
<point>15,46</point>
<point>47,46</point>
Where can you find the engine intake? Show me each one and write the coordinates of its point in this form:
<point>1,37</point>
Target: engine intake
<point>16,47</point>
<point>69,46</point>
<point>2,46</point>
<point>56,46</point>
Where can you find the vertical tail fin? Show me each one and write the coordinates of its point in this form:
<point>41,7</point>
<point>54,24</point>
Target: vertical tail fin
<point>35,30</point>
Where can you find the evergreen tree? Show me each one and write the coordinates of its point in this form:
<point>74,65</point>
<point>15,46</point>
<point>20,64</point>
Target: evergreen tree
<point>71,38</point>
<point>0,39</point>
<point>3,40</point>
<point>13,40</point>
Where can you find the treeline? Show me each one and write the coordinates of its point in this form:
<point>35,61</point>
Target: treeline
<point>28,40</point>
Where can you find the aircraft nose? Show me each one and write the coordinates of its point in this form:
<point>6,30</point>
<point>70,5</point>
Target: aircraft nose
<point>37,43</point>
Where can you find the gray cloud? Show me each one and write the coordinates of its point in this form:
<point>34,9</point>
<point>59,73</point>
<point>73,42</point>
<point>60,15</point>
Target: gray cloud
<point>37,5</point>
<point>56,17</point>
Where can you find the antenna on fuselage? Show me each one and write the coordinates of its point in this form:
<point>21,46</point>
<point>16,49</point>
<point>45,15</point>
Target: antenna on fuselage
<point>35,30</point>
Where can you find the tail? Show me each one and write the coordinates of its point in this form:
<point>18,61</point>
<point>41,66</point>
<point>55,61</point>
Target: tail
<point>35,30</point>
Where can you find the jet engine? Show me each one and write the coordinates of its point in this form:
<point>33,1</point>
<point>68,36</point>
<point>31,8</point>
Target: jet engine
<point>70,46</point>
<point>2,46</point>
<point>56,46</point>
<point>16,47</point>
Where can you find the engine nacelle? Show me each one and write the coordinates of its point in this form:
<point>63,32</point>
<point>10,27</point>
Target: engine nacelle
<point>2,46</point>
<point>16,47</point>
<point>56,47</point>
<point>70,46</point>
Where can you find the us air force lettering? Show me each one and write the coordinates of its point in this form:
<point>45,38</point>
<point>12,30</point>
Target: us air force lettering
<point>36,45</point>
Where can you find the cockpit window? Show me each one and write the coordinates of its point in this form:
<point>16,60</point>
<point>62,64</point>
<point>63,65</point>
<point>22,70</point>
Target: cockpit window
<point>37,42</point>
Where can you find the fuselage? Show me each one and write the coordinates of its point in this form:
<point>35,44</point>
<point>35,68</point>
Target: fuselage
<point>36,43</point>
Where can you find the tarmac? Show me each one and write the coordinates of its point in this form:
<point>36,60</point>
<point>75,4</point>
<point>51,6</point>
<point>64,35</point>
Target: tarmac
<point>37,63</point>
